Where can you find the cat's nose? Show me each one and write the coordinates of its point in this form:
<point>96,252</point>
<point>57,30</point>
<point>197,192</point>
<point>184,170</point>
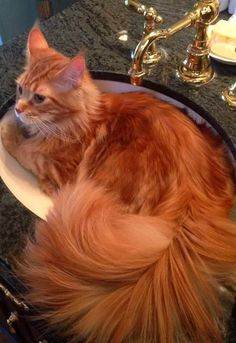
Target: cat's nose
<point>20,106</point>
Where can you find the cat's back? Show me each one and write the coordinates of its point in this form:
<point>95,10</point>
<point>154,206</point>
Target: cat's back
<point>138,115</point>
<point>132,104</point>
<point>146,148</point>
<point>130,115</point>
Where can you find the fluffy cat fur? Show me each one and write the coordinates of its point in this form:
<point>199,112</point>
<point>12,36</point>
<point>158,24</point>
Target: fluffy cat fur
<point>139,242</point>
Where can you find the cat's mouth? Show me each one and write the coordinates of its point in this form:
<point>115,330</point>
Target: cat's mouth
<point>32,125</point>
<point>26,124</point>
<point>24,118</point>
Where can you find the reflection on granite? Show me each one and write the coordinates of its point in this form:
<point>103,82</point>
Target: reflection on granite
<point>94,26</point>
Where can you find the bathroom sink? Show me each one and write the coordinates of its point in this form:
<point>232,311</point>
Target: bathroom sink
<point>24,185</point>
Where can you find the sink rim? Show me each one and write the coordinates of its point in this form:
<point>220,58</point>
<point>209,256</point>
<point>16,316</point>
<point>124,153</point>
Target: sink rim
<point>119,77</point>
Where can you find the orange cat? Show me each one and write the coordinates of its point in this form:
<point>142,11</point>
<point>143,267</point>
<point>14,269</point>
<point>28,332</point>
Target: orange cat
<point>139,241</point>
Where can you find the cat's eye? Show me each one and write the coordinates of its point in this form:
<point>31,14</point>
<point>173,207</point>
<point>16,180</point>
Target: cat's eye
<point>20,90</point>
<point>38,98</point>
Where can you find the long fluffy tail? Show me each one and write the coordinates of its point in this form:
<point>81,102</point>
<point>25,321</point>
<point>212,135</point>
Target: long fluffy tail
<point>109,277</point>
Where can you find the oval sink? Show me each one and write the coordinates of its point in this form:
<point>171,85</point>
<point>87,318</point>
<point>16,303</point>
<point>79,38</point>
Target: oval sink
<point>24,185</point>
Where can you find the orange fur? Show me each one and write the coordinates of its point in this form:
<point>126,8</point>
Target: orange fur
<point>138,242</point>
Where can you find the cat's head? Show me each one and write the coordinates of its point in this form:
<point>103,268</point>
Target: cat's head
<point>52,88</point>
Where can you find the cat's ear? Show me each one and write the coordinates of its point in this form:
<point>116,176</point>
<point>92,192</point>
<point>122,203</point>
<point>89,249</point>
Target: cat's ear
<point>72,75</point>
<point>36,41</point>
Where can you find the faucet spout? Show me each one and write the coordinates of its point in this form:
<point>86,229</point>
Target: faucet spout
<point>137,70</point>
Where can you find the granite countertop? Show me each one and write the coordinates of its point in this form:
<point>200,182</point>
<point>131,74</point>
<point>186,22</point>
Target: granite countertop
<point>95,25</point>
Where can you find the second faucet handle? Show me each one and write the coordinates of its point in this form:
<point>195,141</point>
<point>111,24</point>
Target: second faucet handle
<point>150,14</point>
<point>136,6</point>
<point>152,20</point>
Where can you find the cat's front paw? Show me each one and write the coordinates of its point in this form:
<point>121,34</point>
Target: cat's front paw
<point>11,137</point>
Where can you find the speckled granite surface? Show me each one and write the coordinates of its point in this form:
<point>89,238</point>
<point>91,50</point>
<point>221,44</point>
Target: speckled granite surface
<point>95,25</point>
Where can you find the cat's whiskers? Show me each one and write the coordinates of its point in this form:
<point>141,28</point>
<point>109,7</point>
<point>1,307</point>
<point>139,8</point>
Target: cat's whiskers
<point>51,133</point>
<point>65,131</point>
<point>40,128</point>
<point>58,132</point>
<point>62,132</point>
<point>54,130</point>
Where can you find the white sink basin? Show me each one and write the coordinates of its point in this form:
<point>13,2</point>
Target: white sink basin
<point>24,185</point>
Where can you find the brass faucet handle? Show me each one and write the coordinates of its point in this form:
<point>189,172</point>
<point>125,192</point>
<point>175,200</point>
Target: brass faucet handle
<point>151,20</point>
<point>150,13</point>
<point>197,68</point>
<point>136,6</point>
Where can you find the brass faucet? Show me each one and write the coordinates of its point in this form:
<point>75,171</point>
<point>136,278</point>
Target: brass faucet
<point>229,95</point>
<point>196,68</point>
